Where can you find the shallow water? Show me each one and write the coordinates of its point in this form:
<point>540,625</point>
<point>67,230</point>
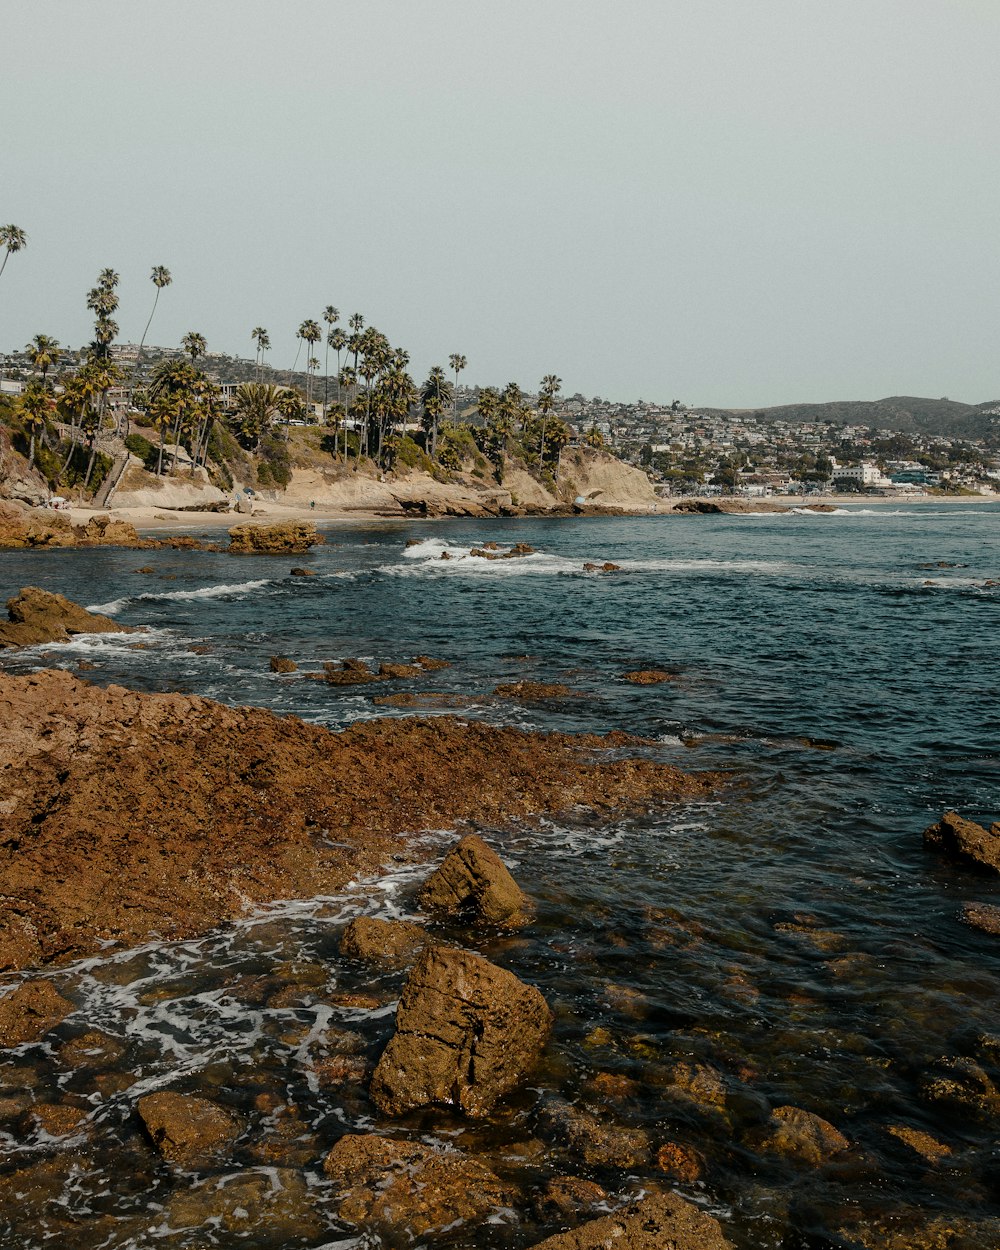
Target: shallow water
<point>793,935</point>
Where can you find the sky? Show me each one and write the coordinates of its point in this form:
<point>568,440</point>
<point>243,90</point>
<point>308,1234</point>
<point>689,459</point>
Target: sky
<point>734,203</point>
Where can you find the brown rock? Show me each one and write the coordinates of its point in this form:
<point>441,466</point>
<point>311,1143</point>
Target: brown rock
<point>30,1011</point>
<point>424,699</point>
<point>698,1083</point>
<point>606,567</point>
<point>966,841</point>
<point>407,1189</point>
<point>961,1084</point>
<point>467,1033</point>
<point>569,1196</point>
<point>647,676</point>
<point>282,664</point>
<point>350,673</point>
<point>923,1144</point>
<point>91,1050</point>
<point>106,531</point>
<point>185,1129</point>
<point>799,1134</point>
<point>983,916</point>
<point>388,669</point>
<point>271,1207</point>
<point>385,943</point>
<point>597,1141</point>
<point>491,551</point>
<point>659,1222</point>
<point>912,1229</point>
<point>297,572</point>
<point>680,1162</point>
<point>56,1119</point>
<point>473,880</point>
<point>535,691</point>
<point>429,664</point>
<point>279,539</point>
<point>38,616</point>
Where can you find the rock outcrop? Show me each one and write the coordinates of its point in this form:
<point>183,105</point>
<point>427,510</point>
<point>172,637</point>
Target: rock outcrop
<point>129,814</point>
<point>659,1222</point>
<point>185,1129</point>
<point>647,676</point>
<point>283,538</point>
<point>40,616</point>
<point>965,841</point>
<point>797,1134</point>
<point>473,881</point>
<point>408,1189</point>
<point>467,1033</point>
<point>982,916</point>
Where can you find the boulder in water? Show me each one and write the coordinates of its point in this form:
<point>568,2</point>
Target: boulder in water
<point>384,943</point>
<point>965,841</point>
<point>647,676</point>
<point>473,881</point>
<point>282,664</point>
<point>799,1134</point>
<point>270,1207</point>
<point>281,539</point>
<point>467,1033</point>
<point>40,616</point>
<point>185,1129</point>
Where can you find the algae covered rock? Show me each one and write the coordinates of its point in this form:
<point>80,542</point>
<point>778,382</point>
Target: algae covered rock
<point>473,881</point>
<point>409,1189</point>
<point>467,1033</point>
<point>659,1222</point>
<point>798,1134</point>
<point>271,1206</point>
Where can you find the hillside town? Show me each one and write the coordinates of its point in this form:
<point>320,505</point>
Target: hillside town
<point>685,451</point>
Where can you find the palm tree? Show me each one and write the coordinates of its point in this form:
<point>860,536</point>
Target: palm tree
<point>309,332</point>
<point>546,402</point>
<point>160,278</point>
<point>331,316</point>
<point>337,339</point>
<point>263,341</point>
<point>457,363</point>
<point>254,408</point>
<point>12,239</point>
<point>194,344</point>
<point>44,352</point>
<point>433,397</point>
<point>35,406</point>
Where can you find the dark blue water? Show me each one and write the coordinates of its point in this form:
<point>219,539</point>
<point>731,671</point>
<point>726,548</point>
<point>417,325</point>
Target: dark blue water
<point>792,936</point>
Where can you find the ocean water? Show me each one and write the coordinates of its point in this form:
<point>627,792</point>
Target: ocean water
<point>792,935</point>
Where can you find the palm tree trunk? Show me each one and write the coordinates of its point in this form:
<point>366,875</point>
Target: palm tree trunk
<point>31,449</point>
<point>326,381</point>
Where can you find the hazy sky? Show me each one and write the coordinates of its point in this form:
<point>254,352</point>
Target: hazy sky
<point>730,202</point>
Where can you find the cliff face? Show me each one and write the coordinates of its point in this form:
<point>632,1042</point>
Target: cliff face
<point>17,481</point>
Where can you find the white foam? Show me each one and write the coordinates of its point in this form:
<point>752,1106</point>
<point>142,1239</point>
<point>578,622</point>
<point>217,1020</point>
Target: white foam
<point>232,590</point>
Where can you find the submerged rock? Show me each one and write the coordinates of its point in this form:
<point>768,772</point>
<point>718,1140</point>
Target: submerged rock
<point>535,691</point>
<point>597,1141</point>
<point>982,916</point>
<point>271,1207</point>
<point>282,664</point>
<point>408,1189</point>
<point>569,1196</point>
<point>798,1134</point>
<point>185,1129</point>
<point>659,1222</point>
<point>966,841</point>
<point>647,676</point>
<point>473,881</point>
<point>467,1033</point>
<point>39,616</point>
<point>384,943</point>
<point>30,1011</point>
<point>961,1084</point>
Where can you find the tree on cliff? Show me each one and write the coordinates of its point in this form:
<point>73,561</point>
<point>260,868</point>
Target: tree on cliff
<point>12,239</point>
<point>45,353</point>
<point>550,388</point>
<point>35,408</point>
<point>457,364</point>
<point>263,341</point>
<point>309,332</point>
<point>194,345</point>
<point>254,409</point>
<point>434,398</point>
<point>331,316</point>
<point>160,277</point>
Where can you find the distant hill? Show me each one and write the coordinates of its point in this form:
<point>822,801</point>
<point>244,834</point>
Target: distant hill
<point>908,413</point>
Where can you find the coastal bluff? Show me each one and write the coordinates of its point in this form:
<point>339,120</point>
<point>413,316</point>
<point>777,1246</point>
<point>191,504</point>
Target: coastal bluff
<point>127,815</point>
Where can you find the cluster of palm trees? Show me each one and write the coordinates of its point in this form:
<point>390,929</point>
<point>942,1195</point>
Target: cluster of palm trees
<point>375,393</point>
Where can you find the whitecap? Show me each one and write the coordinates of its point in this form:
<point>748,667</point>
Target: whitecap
<point>232,590</point>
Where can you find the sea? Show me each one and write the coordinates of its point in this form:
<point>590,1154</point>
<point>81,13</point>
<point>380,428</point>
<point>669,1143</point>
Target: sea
<point>790,942</point>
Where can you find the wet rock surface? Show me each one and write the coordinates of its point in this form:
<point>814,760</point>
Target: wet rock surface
<point>801,1135</point>
<point>185,1129</point>
<point>467,1033</point>
<point>647,676</point>
<point>31,1011</point>
<point>128,814</point>
<point>408,1188</point>
<point>474,882</point>
<point>383,943</point>
<point>39,616</point>
<point>965,841</point>
<point>660,1222</point>
<point>982,916</point>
